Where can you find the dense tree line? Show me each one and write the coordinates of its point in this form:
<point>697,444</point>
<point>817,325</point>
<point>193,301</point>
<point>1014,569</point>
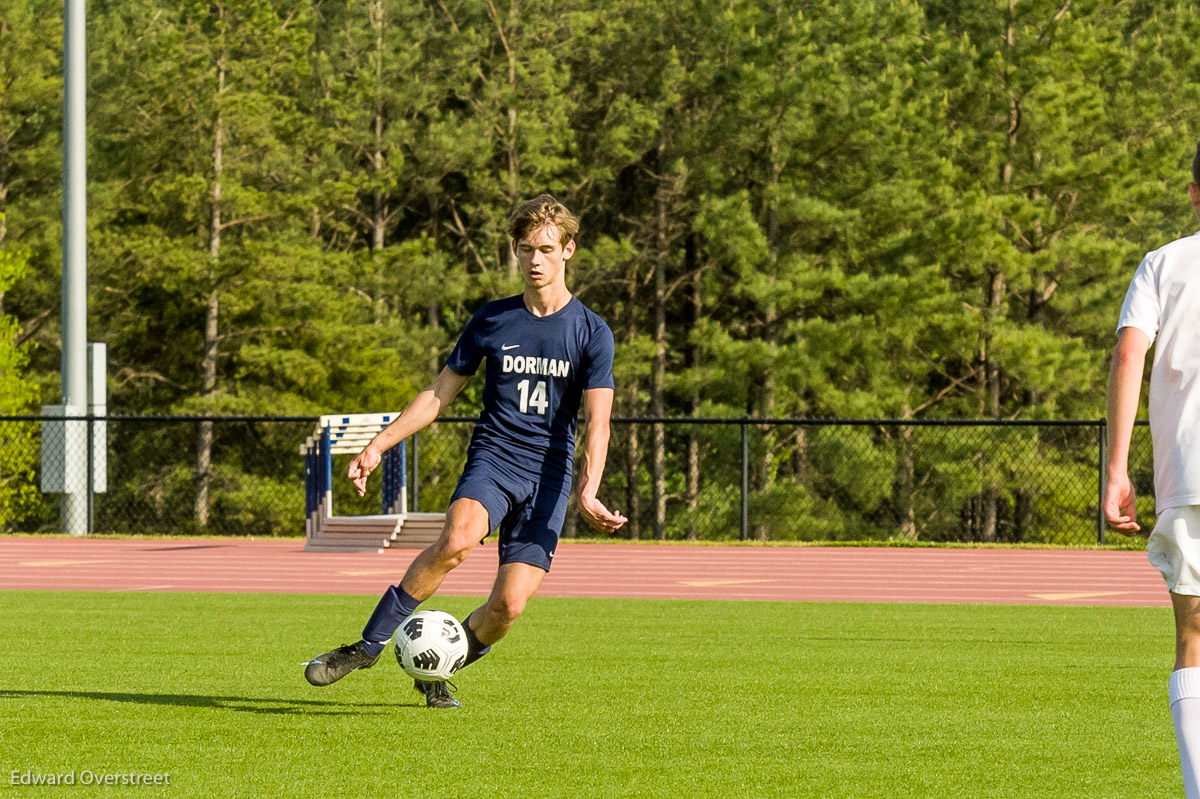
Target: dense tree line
<point>810,208</point>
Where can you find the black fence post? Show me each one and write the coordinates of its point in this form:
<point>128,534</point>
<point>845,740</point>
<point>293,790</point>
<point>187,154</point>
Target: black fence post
<point>1101,480</point>
<point>90,466</point>
<point>745,482</point>
<point>416,475</point>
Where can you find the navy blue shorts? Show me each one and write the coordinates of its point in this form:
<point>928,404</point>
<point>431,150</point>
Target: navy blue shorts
<point>528,509</point>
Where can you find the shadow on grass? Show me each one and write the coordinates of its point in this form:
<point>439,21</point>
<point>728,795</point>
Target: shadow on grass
<point>920,639</point>
<point>241,704</point>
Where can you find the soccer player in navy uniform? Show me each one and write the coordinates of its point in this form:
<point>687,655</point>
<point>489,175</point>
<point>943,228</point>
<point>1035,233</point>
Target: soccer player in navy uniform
<point>546,354</point>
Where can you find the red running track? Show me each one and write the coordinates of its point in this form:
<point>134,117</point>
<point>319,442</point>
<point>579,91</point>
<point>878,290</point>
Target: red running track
<point>816,574</point>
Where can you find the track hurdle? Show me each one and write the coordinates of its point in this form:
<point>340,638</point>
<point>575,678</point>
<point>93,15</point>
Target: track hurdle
<point>394,526</point>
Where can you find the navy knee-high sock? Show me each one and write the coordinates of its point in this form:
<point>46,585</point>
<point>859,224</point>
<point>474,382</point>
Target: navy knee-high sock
<point>394,607</point>
<point>475,647</point>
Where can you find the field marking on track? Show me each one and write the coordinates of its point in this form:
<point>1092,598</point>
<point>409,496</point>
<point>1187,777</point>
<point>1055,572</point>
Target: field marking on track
<point>370,573</point>
<point>61,562</point>
<point>1084,595</point>
<point>141,588</point>
<point>710,583</point>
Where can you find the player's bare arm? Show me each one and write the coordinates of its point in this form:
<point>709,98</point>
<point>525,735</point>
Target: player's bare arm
<point>598,408</point>
<point>1124,392</point>
<point>416,416</point>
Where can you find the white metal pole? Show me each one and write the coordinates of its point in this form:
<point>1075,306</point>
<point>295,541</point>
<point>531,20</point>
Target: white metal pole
<point>74,273</point>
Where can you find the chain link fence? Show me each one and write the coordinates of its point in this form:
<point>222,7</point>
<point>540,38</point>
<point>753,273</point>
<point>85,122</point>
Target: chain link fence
<point>676,479</point>
<point>856,480</point>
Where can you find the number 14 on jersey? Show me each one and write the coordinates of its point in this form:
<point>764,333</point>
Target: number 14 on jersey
<point>537,400</point>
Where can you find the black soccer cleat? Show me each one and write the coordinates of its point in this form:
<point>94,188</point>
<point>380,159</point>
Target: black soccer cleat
<point>333,666</point>
<point>436,695</point>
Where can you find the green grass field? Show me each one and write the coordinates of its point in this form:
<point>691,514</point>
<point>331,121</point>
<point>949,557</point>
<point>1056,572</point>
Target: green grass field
<point>593,698</point>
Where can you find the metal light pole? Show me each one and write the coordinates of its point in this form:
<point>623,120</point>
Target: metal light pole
<point>74,274</point>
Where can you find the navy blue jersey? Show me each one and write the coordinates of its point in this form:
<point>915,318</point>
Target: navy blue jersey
<point>537,370</point>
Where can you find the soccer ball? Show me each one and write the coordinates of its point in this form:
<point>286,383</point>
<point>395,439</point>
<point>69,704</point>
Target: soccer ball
<point>431,645</point>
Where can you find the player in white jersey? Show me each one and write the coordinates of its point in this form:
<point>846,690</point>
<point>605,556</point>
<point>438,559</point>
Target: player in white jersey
<point>1162,307</point>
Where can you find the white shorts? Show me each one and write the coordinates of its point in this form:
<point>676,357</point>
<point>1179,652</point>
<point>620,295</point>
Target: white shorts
<point>1174,549</point>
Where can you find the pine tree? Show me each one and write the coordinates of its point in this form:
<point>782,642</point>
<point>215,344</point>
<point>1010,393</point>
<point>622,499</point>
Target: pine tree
<point>18,440</point>
<point>1057,121</point>
<point>30,174</point>
<point>201,152</point>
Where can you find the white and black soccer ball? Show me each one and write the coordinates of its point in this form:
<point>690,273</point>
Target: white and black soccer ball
<point>431,645</point>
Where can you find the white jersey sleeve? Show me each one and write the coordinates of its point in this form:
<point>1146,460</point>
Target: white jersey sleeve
<point>1141,308</point>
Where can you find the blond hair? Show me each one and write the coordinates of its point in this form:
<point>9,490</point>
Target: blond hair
<point>542,210</point>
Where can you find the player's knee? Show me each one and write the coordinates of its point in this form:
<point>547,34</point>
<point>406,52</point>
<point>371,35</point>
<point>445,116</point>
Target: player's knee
<point>451,550</point>
<point>1187,641</point>
<point>505,608</point>
<point>1187,626</point>
<point>1189,638</point>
